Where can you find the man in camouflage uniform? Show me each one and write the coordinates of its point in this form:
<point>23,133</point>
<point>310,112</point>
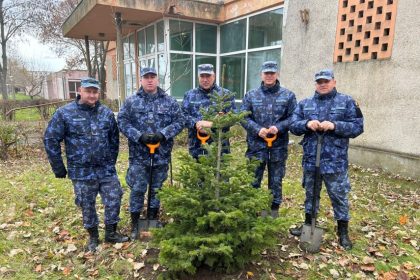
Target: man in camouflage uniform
<point>198,98</point>
<point>91,139</point>
<point>147,117</point>
<point>339,118</point>
<point>271,108</point>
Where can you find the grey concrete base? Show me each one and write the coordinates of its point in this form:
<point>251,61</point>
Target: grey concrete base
<point>392,162</point>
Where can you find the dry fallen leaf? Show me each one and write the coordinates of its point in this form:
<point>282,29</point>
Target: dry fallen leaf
<point>138,265</point>
<point>403,219</point>
<point>118,246</point>
<point>249,275</point>
<point>368,268</point>
<point>38,268</point>
<point>334,273</point>
<point>368,260</point>
<point>67,271</point>
<point>388,276</point>
<point>155,266</point>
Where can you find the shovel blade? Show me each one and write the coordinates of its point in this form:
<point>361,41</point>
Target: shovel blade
<point>311,238</point>
<point>144,225</point>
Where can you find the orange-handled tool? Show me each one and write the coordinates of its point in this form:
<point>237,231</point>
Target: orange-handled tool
<point>203,137</point>
<point>270,138</point>
<point>153,147</point>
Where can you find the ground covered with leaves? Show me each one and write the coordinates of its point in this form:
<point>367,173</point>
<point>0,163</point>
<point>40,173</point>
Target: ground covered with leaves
<point>41,233</point>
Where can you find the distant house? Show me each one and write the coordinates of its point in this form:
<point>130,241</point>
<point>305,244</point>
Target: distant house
<point>63,84</point>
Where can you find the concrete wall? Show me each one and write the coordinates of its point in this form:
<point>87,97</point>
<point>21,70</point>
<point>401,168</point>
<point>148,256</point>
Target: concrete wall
<point>387,90</point>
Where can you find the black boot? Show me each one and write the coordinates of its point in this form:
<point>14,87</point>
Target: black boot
<point>93,239</point>
<point>298,230</point>
<point>112,236</point>
<point>275,211</point>
<point>134,225</point>
<point>343,235</point>
<point>153,214</point>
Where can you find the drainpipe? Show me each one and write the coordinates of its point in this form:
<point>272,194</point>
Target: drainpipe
<point>120,58</point>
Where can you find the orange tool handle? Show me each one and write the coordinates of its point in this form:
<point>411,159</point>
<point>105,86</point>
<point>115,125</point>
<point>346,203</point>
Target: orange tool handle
<point>203,137</point>
<point>153,147</point>
<point>270,140</point>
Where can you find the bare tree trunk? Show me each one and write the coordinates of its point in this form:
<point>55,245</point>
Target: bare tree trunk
<point>88,65</point>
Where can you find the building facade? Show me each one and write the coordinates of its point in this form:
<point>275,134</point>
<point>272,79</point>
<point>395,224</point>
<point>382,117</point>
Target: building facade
<point>370,44</point>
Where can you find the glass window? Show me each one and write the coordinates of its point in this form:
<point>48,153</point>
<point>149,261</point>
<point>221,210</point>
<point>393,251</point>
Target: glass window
<point>160,36</point>
<point>181,76</point>
<point>162,69</point>
<point>133,78</point>
<point>126,46</point>
<point>150,39</point>
<point>265,29</point>
<point>255,60</point>
<point>181,35</point>
<point>203,60</point>
<point>205,38</point>
<point>232,73</point>
<point>141,43</point>
<point>128,80</point>
<point>232,36</point>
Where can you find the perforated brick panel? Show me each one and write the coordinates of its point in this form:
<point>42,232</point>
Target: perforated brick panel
<point>365,30</point>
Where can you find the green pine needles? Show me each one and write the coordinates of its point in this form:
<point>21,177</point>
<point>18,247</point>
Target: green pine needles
<point>213,211</point>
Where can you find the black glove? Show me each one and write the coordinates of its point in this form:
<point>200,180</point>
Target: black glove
<point>158,137</point>
<point>146,138</point>
<point>61,173</point>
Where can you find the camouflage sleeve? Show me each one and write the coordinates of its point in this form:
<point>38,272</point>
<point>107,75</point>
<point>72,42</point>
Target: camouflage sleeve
<point>54,135</point>
<point>353,125</point>
<point>248,123</point>
<point>298,122</point>
<point>189,120</point>
<point>125,125</point>
<point>233,105</point>
<point>177,124</point>
<point>114,138</point>
<point>283,125</point>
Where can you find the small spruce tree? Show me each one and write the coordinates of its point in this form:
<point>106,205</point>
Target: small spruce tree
<point>213,211</point>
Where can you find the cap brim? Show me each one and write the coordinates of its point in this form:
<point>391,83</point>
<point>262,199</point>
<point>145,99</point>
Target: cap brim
<point>91,85</point>
<point>329,78</point>
<point>206,72</point>
<point>150,72</point>
<point>269,70</point>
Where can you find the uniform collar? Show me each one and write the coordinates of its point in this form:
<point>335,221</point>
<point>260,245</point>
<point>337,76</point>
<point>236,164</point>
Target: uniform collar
<point>329,95</point>
<point>272,89</point>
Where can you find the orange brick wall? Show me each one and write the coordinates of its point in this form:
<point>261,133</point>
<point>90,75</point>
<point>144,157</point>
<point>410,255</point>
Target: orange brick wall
<point>365,30</point>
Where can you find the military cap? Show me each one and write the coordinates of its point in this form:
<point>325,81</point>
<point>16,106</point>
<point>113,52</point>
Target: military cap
<point>269,66</point>
<point>147,70</point>
<point>326,74</point>
<point>89,82</point>
<point>205,69</point>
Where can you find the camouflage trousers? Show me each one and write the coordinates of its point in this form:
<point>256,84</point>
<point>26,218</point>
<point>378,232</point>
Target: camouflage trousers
<point>338,187</point>
<point>276,171</point>
<point>138,179</point>
<point>111,193</point>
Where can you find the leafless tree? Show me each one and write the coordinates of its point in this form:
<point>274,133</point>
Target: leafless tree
<point>15,15</point>
<point>49,21</point>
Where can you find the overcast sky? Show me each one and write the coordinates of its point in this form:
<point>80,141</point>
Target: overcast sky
<point>31,50</point>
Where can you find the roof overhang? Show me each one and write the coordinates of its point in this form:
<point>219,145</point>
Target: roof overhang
<point>96,18</point>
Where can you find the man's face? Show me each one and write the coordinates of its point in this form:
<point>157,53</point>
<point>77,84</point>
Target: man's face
<point>269,78</point>
<point>89,95</point>
<point>149,82</point>
<point>206,81</point>
<point>324,86</point>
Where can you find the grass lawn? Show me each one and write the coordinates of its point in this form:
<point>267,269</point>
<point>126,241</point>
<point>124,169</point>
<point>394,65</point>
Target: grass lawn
<point>41,234</point>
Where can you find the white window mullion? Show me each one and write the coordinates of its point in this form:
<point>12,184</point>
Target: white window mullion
<point>218,55</point>
<point>193,56</point>
<point>246,55</point>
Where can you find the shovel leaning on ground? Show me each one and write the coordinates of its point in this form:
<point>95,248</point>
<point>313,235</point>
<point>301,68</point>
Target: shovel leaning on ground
<point>146,223</point>
<point>269,139</point>
<point>311,237</point>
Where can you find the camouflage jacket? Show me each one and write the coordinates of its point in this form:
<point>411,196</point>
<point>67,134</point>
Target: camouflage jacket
<point>338,108</point>
<point>91,141</point>
<point>150,113</point>
<point>194,100</point>
<point>269,107</point>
